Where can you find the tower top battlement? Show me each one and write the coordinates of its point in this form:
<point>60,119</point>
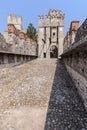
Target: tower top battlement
<point>55,14</point>
<point>54,17</point>
<point>15,20</point>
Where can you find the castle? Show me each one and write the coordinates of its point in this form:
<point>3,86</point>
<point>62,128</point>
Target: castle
<point>51,41</point>
<point>51,34</point>
<point>16,47</point>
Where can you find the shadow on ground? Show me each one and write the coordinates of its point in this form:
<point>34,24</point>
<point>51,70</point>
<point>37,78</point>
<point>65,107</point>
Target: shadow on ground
<point>66,110</point>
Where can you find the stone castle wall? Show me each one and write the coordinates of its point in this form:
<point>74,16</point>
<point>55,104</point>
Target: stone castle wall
<point>70,36</point>
<point>75,59</point>
<point>16,50</point>
<point>15,42</point>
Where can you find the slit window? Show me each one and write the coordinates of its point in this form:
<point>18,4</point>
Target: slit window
<point>53,33</point>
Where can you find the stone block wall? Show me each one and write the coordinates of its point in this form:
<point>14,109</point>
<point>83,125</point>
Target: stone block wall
<point>82,31</point>
<point>15,46</point>
<point>70,35</point>
<point>75,59</point>
<point>76,64</point>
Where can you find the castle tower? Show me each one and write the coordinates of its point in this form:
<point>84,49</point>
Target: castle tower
<point>16,21</point>
<point>51,34</point>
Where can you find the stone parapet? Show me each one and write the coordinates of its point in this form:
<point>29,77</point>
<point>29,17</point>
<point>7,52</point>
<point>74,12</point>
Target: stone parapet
<point>75,59</point>
<point>80,82</point>
<point>82,31</point>
<point>18,46</point>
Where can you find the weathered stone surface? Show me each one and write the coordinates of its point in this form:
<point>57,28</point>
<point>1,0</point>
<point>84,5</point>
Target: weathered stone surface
<point>24,95</point>
<point>28,90</point>
<point>75,59</point>
<point>66,110</point>
<point>80,82</point>
<point>82,31</point>
<point>76,63</point>
<point>12,44</point>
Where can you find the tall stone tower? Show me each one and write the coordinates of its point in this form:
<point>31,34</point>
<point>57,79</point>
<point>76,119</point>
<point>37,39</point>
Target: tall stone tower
<point>16,21</point>
<point>51,34</point>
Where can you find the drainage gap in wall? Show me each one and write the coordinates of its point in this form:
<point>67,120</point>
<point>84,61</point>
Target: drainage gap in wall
<point>82,70</point>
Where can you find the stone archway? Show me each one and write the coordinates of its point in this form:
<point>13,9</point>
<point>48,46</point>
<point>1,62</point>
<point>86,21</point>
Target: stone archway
<point>53,52</point>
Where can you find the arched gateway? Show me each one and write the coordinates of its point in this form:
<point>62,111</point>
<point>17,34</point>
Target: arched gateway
<point>53,52</point>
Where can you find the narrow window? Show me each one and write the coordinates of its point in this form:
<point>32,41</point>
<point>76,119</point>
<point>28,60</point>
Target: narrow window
<point>53,33</point>
<point>44,55</point>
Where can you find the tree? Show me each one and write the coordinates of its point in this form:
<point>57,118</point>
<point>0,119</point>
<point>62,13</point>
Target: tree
<point>31,32</point>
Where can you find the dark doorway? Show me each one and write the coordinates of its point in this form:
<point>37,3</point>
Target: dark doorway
<point>44,55</point>
<point>54,52</point>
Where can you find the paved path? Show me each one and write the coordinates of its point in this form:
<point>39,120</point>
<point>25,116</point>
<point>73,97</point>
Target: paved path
<point>39,95</point>
<point>24,95</point>
<point>66,110</point>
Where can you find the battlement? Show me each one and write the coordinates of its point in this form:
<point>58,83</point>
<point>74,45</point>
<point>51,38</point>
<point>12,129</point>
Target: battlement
<point>41,20</point>
<point>74,26</point>
<point>54,17</point>
<point>15,20</point>
<point>41,17</point>
<point>55,14</point>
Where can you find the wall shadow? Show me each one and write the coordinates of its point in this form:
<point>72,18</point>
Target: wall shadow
<point>66,110</point>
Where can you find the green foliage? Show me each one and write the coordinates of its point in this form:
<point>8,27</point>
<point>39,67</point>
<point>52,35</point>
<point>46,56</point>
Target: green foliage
<point>31,32</point>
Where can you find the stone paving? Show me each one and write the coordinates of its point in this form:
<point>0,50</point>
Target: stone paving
<point>40,95</point>
<point>24,95</point>
<point>66,110</point>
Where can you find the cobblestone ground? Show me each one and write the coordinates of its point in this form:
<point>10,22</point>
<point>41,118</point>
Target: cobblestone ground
<point>39,95</point>
<point>66,110</point>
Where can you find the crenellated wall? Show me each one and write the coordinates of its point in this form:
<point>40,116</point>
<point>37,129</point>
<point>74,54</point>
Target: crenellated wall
<point>15,46</point>
<point>16,52</point>
<point>75,59</point>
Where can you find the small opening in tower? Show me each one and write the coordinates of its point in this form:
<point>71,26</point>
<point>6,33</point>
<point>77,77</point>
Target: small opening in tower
<point>44,55</point>
<point>53,33</point>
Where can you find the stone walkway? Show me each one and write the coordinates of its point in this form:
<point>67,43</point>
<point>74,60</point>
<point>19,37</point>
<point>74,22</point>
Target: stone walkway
<point>66,110</point>
<point>24,95</point>
<point>39,95</point>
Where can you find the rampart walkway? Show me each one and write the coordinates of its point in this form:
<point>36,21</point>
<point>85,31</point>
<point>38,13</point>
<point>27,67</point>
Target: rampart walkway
<point>39,95</point>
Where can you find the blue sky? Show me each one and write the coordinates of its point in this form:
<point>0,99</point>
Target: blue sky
<point>31,9</point>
